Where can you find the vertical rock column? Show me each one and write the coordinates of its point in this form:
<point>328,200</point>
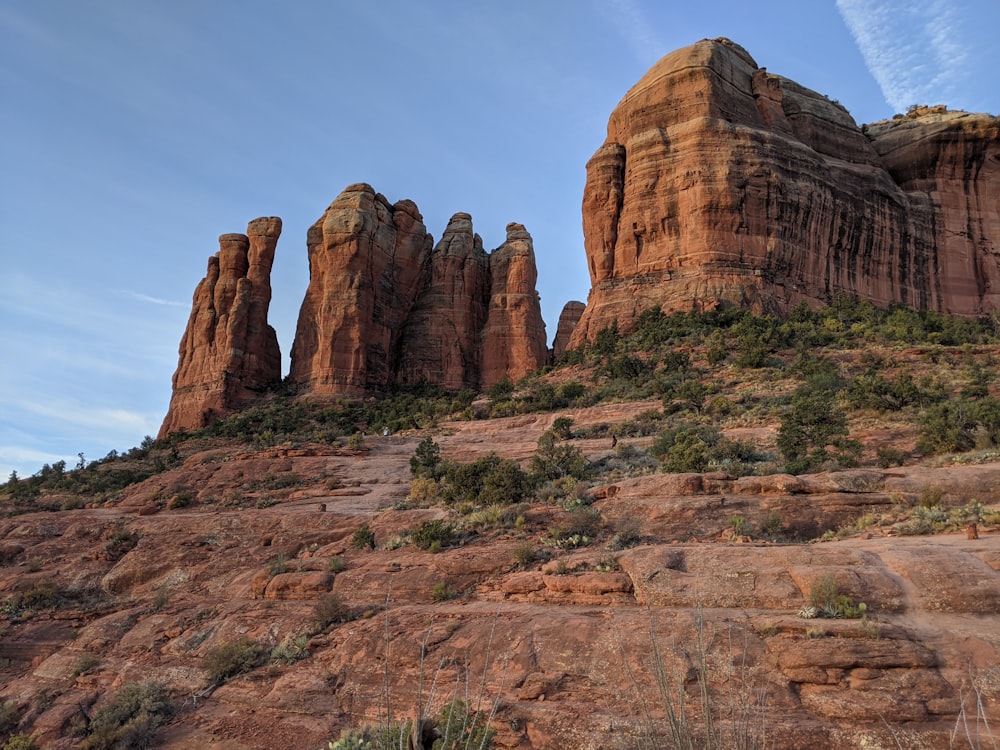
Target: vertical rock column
<point>440,343</point>
<point>228,353</point>
<point>367,261</point>
<point>513,341</point>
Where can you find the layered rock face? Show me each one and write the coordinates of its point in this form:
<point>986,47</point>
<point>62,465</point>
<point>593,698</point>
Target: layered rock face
<point>513,340</point>
<point>367,262</point>
<point>568,319</point>
<point>441,341</point>
<point>720,183</point>
<point>228,353</point>
<point>382,308</point>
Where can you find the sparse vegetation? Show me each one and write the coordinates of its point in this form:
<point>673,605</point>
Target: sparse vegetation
<point>129,719</point>
<point>231,659</point>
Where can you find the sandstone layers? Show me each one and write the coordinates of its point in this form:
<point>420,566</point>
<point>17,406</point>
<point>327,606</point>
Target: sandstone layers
<point>384,307</point>
<point>228,353</point>
<point>720,183</point>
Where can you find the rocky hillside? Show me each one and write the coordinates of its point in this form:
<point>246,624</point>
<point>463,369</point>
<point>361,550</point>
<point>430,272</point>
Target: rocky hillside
<point>722,183</point>
<point>625,545</point>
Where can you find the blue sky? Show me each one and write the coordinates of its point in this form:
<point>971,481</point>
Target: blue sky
<point>134,133</point>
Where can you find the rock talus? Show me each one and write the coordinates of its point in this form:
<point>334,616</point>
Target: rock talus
<point>228,354</point>
<point>722,184</point>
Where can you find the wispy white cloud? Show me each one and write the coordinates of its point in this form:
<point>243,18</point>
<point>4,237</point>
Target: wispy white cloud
<point>25,461</point>
<point>635,28</point>
<point>915,49</point>
<point>154,300</point>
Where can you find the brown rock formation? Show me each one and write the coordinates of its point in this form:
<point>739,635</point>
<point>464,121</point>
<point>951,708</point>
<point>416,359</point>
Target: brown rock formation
<point>513,341</point>
<point>228,352</point>
<point>720,183</point>
<point>568,319</point>
<point>366,265</point>
<point>383,309</point>
<point>441,340</point>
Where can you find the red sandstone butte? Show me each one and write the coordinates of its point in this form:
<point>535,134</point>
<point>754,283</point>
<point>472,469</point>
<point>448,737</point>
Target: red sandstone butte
<point>569,317</point>
<point>228,353</point>
<point>441,340</point>
<point>723,184</point>
<point>513,340</point>
<point>366,266</point>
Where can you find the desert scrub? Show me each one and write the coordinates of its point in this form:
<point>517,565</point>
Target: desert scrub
<point>826,599</point>
<point>330,609</point>
<point>85,665</point>
<point>291,650</point>
<point>129,719</point>
<point>575,528</point>
<point>442,592</point>
<point>231,659</point>
<point>525,554</point>
<point>364,538</point>
<point>433,535</point>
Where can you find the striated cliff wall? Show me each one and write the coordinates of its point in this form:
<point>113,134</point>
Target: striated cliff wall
<point>720,183</point>
<point>228,353</point>
<point>383,307</point>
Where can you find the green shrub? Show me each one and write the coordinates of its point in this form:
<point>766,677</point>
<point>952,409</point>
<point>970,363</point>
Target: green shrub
<point>576,528</point>
<point>562,428</point>
<point>486,481</point>
<point>442,592</point>
<point>364,538</point>
<point>291,650</point>
<point>811,427</point>
<point>130,719</point>
<point>20,742</point>
<point>430,533</point>
<point>554,460</point>
<point>525,554</point>
<point>10,717</point>
<point>460,728</point>
<point>231,659</point>
<point>43,594</point>
<point>330,609</point>
<point>948,427</point>
<point>426,462</point>
<point>84,665</point>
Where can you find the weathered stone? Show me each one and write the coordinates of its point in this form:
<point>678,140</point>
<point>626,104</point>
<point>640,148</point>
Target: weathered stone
<point>228,353</point>
<point>721,184</point>
<point>441,338</point>
<point>513,339</point>
<point>568,319</point>
<point>367,262</point>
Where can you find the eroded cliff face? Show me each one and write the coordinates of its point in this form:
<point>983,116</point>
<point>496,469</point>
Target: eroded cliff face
<point>228,354</point>
<point>568,319</point>
<point>441,341</point>
<point>367,262</point>
<point>383,308</point>
<point>513,340</point>
<point>720,183</point>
